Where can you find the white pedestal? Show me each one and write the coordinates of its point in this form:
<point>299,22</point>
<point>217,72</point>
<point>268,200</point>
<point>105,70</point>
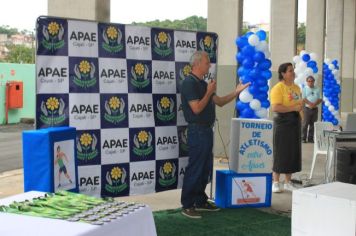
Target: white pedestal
<point>328,209</point>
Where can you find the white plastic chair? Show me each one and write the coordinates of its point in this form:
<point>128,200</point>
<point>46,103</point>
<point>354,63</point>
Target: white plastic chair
<point>320,141</point>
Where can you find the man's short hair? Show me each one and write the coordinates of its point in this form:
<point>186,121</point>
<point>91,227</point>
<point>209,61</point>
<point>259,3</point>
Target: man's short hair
<point>196,57</point>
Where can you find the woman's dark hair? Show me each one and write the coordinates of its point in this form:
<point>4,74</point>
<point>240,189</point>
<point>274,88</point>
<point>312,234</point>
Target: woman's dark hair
<point>283,69</point>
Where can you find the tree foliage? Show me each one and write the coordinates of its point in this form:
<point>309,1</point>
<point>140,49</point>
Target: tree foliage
<point>20,54</point>
<point>301,34</point>
<point>5,29</point>
<point>191,23</point>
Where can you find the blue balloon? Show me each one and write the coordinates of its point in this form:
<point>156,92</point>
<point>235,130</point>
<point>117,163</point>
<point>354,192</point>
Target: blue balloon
<point>247,113</point>
<point>241,105</point>
<point>261,34</point>
<point>247,63</point>
<point>265,65</point>
<point>315,70</point>
<point>242,41</point>
<point>253,89</point>
<point>306,57</point>
<point>248,51</point>
<point>259,56</point>
<point>255,73</point>
<point>261,82</point>
<point>248,34</point>
<point>264,88</point>
<point>311,64</point>
<point>266,74</point>
<point>335,122</point>
<point>265,104</point>
<point>239,57</point>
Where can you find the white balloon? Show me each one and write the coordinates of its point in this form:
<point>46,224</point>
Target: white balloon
<point>262,46</point>
<point>301,65</point>
<point>331,108</point>
<point>253,40</point>
<point>313,56</point>
<point>327,61</point>
<point>255,104</point>
<point>245,96</point>
<point>335,112</point>
<point>296,59</point>
<point>327,103</point>
<point>262,112</point>
<point>309,71</point>
<point>267,54</point>
<point>331,66</point>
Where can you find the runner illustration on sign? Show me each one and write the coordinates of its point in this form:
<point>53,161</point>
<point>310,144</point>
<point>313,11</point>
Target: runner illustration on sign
<point>62,168</point>
<point>248,189</point>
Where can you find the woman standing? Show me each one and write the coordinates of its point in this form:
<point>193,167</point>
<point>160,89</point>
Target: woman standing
<point>286,101</point>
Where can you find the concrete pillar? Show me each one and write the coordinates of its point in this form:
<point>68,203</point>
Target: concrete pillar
<point>348,57</point>
<point>315,31</point>
<point>283,33</point>
<point>225,18</point>
<point>334,29</point>
<point>97,10</point>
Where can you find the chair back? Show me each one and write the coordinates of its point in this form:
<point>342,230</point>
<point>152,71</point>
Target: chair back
<point>350,122</point>
<point>320,139</point>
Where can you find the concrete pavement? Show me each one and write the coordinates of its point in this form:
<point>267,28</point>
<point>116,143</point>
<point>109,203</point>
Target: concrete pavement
<point>11,182</point>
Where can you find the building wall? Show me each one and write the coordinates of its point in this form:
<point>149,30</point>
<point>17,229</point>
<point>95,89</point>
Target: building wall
<point>26,74</point>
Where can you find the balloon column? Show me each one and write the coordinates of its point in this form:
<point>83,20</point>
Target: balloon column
<point>252,56</point>
<point>331,92</point>
<point>305,65</point>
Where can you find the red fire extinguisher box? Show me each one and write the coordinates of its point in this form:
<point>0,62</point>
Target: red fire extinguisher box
<point>15,94</point>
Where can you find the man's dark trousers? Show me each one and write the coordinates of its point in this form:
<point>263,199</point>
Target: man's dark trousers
<point>200,165</point>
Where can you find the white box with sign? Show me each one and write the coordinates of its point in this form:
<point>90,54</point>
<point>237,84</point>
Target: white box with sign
<point>251,145</point>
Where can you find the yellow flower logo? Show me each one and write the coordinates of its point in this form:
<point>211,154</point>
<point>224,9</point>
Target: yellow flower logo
<point>52,103</point>
<point>85,139</point>
<point>53,28</point>
<point>114,103</point>
<point>165,102</point>
<point>112,32</point>
<point>167,167</point>
<point>207,41</point>
<point>186,70</point>
<point>116,173</point>
<point>162,37</point>
<point>142,136</point>
<point>84,66</point>
<point>139,69</point>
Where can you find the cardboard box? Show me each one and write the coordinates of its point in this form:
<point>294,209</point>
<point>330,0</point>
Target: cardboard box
<point>251,148</point>
<point>328,209</point>
<point>242,190</point>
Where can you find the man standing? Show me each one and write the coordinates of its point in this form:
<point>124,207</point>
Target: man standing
<point>198,100</point>
<point>311,99</point>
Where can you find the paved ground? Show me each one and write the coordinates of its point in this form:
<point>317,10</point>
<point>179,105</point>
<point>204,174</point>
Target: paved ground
<point>11,174</point>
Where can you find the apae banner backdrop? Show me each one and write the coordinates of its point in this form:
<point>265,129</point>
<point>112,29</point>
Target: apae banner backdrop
<point>119,86</point>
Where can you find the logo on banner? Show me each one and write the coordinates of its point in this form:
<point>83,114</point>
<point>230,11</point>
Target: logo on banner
<point>52,111</point>
<point>86,147</point>
<point>167,174</point>
<point>112,38</point>
<point>143,143</point>
<point>165,108</point>
<point>207,44</point>
<point>185,71</point>
<point>84,74</point>
<point>139,74</point>
<point>116,180</point>
<point>53,36</point>
<point>114,110</point>
<point>163,44</point>
<point>183,140</point>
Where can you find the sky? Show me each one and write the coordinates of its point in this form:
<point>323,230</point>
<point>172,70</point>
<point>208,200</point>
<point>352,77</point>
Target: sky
<point>22,14</point>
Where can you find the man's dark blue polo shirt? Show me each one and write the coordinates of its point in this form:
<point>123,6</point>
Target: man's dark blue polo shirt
<point>194,89</point>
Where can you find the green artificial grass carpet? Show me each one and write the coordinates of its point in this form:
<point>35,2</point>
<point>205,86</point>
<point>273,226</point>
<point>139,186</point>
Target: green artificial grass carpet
<point>239,222</point>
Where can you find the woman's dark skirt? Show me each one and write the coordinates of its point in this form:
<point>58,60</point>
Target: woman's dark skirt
<point>287,147</point>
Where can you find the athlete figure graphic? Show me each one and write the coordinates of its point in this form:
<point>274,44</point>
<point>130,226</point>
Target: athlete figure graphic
<point>62,168</point>
<point>248,189</point>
